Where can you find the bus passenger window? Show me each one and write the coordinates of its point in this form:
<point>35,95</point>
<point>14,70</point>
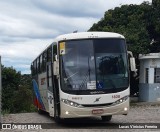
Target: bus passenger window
<point>49,54</point>
<point>54,51</point>
<point>38,67</point>
<point>44,60</point>
<point>35,67</point>
<point>41,64</point>
<point>32,69</point>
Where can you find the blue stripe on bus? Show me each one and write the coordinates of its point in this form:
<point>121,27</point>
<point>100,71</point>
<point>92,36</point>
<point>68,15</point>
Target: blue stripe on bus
<point>36,90</point>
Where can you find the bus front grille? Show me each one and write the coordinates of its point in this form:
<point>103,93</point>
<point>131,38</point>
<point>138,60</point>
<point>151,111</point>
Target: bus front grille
<point>96,105</point>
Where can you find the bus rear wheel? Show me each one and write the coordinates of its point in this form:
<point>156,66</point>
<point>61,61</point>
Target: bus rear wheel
<point>106,118</point>
<point>40,111</point>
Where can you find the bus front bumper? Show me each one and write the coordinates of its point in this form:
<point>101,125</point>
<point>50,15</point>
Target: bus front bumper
<point>68,111</point>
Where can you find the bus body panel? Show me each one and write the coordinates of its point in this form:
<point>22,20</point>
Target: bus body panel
<point>91,99</point>
<point>89,104</point>
<point>50,103</point>
<point>38,101</point>
<point>74,112</point>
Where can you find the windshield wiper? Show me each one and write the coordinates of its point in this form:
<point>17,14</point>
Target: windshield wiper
<point>65,79</point>
<point>87,75</point>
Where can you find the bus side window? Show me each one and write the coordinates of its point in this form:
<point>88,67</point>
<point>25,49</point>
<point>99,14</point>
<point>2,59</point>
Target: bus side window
<point>54,51</point>
<point>49,54</point>
<point>32,69</point>
<point>40,68</point>
<point>35,67</point>
<point>44,60</point>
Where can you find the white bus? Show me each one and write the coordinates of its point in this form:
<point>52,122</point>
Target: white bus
<point>82,75</point>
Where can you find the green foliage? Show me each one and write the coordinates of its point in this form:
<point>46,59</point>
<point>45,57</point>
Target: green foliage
<point>5,112</point>
<point>22,99</point>
<point>10,84</point>
<point>154,26</point>
<point>138,23</point>
<point>16,91</point>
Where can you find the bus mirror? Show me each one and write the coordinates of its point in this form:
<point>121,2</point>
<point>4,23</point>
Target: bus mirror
<point>56,58</point>
<point>56,67</point>
<point>133,64</point>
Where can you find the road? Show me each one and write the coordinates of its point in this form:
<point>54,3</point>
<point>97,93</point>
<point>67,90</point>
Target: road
<point>145,114</point>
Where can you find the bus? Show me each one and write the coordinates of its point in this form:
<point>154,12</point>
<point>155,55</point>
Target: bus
<point>83,74</point>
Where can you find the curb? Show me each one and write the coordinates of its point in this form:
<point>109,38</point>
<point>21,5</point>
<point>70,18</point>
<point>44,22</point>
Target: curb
<point>134,102</point>
<point>145,103</point>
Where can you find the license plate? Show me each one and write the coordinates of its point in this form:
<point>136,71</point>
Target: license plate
<point>97,111</point>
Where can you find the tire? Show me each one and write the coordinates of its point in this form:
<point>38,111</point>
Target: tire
<point>40,111</point>
<point>106,118</point>
<point>57,119</point>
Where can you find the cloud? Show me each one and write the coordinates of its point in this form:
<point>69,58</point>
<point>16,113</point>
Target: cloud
<point>13,27</point>
<point>40,24</point>
<point>80,8</point>
<point>83,8</point>
<point>20,54</point>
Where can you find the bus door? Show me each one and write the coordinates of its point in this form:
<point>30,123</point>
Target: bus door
<point>50,88</point>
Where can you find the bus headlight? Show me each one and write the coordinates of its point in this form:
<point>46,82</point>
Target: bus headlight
<point>71,103</point>
<point>121,100</point>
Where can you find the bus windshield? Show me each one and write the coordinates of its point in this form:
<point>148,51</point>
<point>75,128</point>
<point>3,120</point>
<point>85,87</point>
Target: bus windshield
<point>98,65</point>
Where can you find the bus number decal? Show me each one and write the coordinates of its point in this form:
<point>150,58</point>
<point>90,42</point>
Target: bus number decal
<point>115,96</point>
<point>76,98</point>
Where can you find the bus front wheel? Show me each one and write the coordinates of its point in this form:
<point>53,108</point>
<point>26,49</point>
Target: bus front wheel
<point>56,114</point>
<point>106,118</point>
<point>57,119</point>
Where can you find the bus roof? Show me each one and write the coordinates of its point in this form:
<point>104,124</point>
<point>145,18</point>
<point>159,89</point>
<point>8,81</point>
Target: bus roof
<point>85,35</point>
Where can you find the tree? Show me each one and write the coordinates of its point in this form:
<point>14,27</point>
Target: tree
<point>154,26</point>
<point>10,84</point>
<point>16,91</point>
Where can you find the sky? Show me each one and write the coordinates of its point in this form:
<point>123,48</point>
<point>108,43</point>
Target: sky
<point>27,27</point>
